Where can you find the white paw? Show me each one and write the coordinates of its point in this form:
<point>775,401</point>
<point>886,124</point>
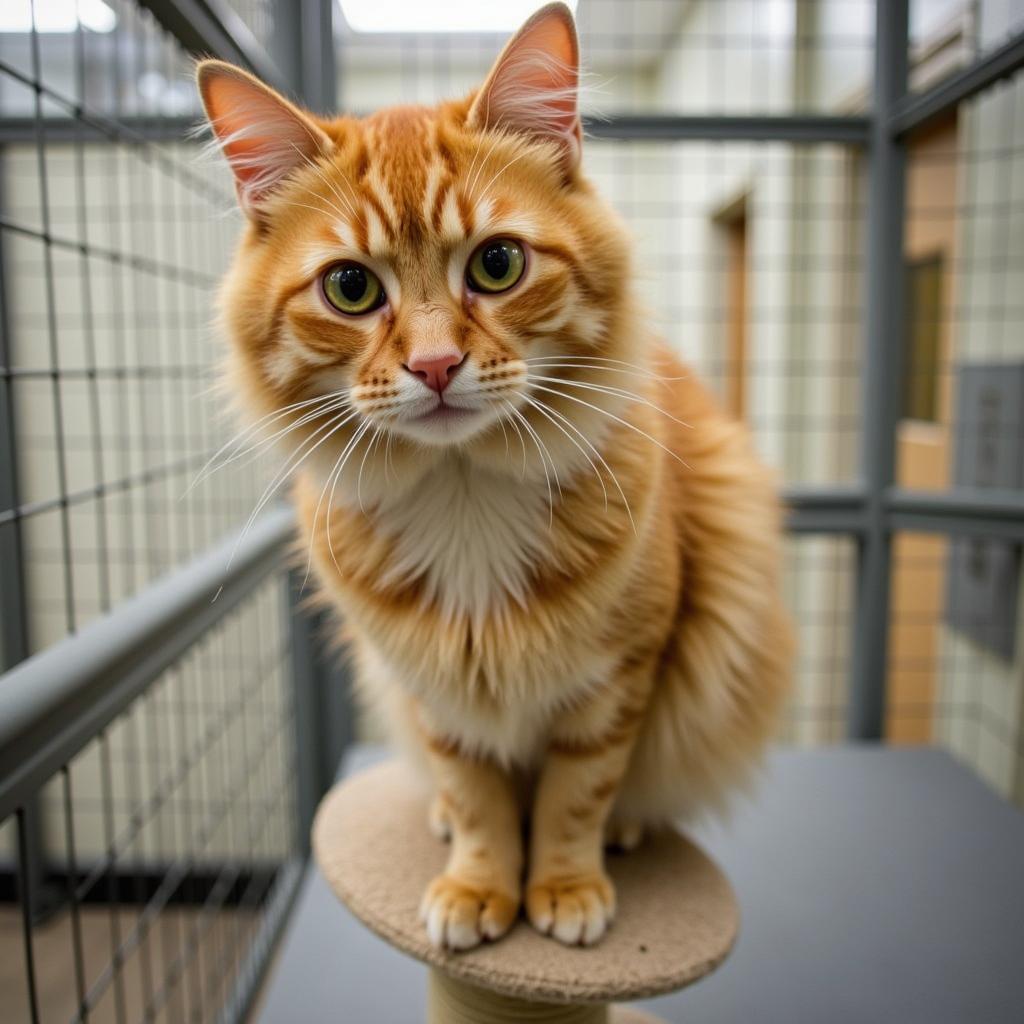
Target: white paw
<point>577,913</point>
<point>461,916</point>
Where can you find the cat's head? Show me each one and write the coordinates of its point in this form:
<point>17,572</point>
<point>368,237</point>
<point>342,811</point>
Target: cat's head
<point>423,271</point>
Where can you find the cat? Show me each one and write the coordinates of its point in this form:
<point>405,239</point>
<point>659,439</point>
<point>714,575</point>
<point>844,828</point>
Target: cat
<point>556,560</point>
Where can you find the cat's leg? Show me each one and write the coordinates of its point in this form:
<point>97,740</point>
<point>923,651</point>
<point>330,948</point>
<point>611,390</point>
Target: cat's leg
<point>568,893</point>
<point>439,819</point>
<point>478,895</point>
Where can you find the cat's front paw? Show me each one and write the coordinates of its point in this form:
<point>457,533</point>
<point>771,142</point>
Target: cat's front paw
<point>461,915</point>
<point>576,910</point>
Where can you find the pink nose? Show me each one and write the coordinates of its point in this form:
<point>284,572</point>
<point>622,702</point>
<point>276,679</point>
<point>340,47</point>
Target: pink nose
<point>435,371</point>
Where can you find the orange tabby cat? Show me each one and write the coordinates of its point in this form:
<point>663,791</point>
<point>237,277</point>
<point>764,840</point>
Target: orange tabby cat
<point>557,561</point>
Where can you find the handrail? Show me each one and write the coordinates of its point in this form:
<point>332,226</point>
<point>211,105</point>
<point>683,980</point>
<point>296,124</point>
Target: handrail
<point>917,110</point>
<point>53,703</point>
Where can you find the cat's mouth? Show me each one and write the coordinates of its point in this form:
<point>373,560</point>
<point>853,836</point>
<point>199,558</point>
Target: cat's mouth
<point>442,413</point>
<point>444,423</point>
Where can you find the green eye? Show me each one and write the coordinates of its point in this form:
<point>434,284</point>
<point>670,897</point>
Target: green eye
<point>351,288</point>
<point>496,265</point>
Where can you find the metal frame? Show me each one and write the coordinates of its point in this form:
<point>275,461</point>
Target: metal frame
<point>57,700</point>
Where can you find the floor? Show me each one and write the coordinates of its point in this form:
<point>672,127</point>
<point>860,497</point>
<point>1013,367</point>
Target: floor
<point>185,963</point>
<point>875,885</point>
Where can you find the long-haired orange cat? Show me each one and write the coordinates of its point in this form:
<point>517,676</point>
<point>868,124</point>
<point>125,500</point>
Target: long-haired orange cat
<point>556,560</point>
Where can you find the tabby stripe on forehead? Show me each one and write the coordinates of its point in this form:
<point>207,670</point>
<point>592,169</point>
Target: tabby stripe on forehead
<point>390,229</point>
<point>445,152</point>
<point>362,162</point>
<point>439,200</point>
<point>362,230</point>
<point>465,209</point>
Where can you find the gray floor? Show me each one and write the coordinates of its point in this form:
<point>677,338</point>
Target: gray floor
<point>875,885</point>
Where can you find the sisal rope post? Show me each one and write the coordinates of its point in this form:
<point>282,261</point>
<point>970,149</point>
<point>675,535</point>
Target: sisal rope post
<point>677,917</point>
<point>450,1001</point>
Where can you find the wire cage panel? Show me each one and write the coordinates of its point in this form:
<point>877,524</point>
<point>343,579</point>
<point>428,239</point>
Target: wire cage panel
<point>953,682</point>
<point>113,239</point>
<point>725,57</point>
<point>947,36</point>
<point>168,838</point>
<point>819,585</point>
<point>960,421</point>
<point>749,257</point>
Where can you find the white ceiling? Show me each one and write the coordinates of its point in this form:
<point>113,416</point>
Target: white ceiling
<point>614,35</point>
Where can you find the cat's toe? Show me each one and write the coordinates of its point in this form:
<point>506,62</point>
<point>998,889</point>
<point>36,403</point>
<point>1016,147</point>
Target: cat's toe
<point>460,916</point>
<point>577,912</point>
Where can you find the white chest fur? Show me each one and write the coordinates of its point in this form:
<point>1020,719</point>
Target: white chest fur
<point>471,536</point>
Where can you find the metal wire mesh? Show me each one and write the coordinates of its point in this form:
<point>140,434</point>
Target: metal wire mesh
<point>150,865</point>
<point>113,241</point>
<point>956,659</point>
<point>730,56</point>
<point>748,257</point>
<point>169,837</point>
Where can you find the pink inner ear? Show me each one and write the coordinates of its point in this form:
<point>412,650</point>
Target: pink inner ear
<point>533,86</point>
<point>263,138</point>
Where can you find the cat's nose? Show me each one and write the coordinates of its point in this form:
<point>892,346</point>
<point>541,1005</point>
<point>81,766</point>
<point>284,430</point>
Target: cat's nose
<point>435,371</point>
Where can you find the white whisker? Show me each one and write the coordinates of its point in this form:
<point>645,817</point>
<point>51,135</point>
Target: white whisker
<point>350,448</point>
<point>544,412</point>
<point>544,454</point>
<point>609,389</point>
<point>359,479</point>
<point>645,371</point>
<point>600,458</point>
<point>306,449</point>
<point>645,374</point>
<point>263,421</point>
<point>259,447</point>
<point>487,187</point>
<point>519,434</point>
<point>618,419</point>
<point>323,177</point>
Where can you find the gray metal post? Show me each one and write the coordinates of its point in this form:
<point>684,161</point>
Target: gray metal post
<point>882,372</point>
<point>14,634</point>
<point>319,82</point>
<point>303,49</point>
<point>322,717</point>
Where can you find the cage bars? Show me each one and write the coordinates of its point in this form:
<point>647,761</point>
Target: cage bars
<point>881,379</point>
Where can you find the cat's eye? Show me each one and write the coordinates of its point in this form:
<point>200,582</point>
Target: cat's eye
<point>496,265</point>
<point>352,288</point>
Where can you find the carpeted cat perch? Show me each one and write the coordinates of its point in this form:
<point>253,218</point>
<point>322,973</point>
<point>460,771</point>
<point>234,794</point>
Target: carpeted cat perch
<point>676,919</point>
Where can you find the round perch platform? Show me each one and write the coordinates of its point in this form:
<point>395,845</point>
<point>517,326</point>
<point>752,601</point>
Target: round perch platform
<point>676,920</point>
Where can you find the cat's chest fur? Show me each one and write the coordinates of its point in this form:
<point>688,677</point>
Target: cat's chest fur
<point>472,538</point>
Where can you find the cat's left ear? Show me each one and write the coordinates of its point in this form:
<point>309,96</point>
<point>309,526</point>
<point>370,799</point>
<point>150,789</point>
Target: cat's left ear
<point>264,137</point>
<point>533,86</point>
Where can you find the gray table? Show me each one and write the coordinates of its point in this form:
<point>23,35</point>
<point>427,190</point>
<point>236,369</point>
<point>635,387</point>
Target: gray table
<point>875,884</point>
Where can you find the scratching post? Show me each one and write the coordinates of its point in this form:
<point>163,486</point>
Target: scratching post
<point>676,918</point>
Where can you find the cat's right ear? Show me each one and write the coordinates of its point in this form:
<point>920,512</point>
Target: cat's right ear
<point>264,137</point>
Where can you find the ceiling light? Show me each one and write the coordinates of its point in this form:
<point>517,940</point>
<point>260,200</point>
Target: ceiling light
<point>450,16</point>
<point>56,15</point>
